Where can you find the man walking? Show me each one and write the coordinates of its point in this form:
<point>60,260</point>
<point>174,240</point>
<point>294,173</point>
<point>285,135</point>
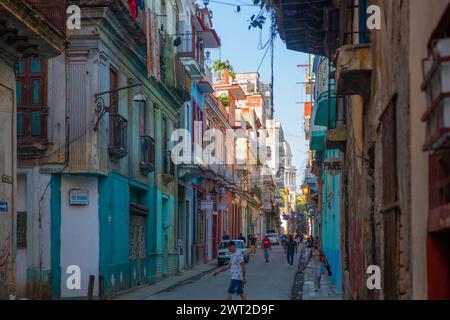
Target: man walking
<point>266,248</point>
<point>241,237</point>
<point>291,248</point>
<point>253,244</point>
<point>225,236</point>
<point>238,272</point>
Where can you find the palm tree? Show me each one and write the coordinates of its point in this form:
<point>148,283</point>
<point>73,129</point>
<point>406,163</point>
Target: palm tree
<point>219,68</point>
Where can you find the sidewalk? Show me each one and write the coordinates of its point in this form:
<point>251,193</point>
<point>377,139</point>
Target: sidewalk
<point>144,292</point>
<point>303,288</point>
<point>326,292</point>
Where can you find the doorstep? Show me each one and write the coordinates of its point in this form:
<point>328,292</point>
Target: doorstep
<point>145,291</point>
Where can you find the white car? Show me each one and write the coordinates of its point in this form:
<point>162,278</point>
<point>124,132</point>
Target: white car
<point>273,237</point>
<point>224,255</point>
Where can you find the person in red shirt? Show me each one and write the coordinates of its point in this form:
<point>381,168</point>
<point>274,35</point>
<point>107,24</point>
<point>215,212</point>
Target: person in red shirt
<point>266,247</point>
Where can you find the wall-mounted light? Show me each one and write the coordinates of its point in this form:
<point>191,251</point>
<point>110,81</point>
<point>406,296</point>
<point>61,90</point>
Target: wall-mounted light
<point>101,108</point>
<point>305,189</point>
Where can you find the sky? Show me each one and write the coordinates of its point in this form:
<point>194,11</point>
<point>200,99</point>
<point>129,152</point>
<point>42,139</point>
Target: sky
<point>240,47</point>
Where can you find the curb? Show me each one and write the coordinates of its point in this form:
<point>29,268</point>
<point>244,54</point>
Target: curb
<point>297,287</point>
<point>170,287</point>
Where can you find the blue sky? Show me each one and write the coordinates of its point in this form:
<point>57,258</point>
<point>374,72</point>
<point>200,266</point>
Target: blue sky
<point>240,46</point>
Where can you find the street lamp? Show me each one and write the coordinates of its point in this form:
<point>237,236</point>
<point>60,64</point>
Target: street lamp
<point>206,2</point>
<point>101,107</point>
<point>305,189</point>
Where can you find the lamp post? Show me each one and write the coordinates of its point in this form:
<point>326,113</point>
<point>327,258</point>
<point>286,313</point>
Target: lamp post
<point>305,190</point>
<point>101,108</point>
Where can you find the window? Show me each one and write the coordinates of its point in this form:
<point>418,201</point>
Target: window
<point>166,158</point>
<point>142,119</point>
<point>21,230</point>
<point>31,80</point>
<point>113,97</point>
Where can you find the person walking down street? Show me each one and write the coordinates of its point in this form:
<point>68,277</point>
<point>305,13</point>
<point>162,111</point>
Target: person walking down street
<point>225,236</point>
<point>284,240</point>
<point>238,272</point>
<point>241,237</point>
<point>316,258</point>
<point>266,247</point>
<point>291,248</point>
<point>253,244</point>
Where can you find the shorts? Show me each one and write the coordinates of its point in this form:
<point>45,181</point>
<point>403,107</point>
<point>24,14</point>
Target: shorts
<point>236,287</point>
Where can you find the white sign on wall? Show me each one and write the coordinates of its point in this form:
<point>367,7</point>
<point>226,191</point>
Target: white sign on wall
<point>333,166</point>
<point>207,205</point>
<point>78,197</point>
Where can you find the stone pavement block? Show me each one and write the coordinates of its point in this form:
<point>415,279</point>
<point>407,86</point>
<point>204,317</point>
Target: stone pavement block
<point>326,291</point>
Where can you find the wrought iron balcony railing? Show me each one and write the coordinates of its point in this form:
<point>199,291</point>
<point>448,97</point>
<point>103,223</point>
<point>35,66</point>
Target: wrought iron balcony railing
<point>148,151</point>
<point>118,136</point>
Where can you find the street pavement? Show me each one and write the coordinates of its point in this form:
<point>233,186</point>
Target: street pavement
<point>265,281</point>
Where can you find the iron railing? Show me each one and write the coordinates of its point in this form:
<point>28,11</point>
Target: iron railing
<point>148,152</point>
<point>118,136</point>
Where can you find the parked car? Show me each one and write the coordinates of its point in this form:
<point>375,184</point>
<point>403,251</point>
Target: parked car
<point>224,255</point>
<point>273,237</point>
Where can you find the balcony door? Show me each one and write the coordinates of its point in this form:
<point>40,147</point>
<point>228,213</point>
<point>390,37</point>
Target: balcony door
<point>31,97</point>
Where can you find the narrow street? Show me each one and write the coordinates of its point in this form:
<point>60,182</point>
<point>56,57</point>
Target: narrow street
<point>266,281</point>
<point>142,140</point>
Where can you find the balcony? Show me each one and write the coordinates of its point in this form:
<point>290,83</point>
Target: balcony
<point>118,136</point>
<point>188,52</point>
<point>147,163</point>
<point>31,131</point>
<point>354,70</point>
<point>203,24</point>
<point>336,139</point>
<point>168,168</point>
<point>54,11</point>
<point>32,28</point>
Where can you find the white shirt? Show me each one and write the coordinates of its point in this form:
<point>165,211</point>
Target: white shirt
<point>235,265</point>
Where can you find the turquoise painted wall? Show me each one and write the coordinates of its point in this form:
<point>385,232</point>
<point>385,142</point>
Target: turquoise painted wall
<point>55,234</point>
<point>331,222</point>
<point>114,200</point>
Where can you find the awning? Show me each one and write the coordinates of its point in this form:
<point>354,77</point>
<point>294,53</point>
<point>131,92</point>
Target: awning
<point>210,39</point>
<point>317,141</point>
<point>323,105</point>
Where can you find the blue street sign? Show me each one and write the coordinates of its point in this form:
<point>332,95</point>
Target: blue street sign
<point>3,206</point>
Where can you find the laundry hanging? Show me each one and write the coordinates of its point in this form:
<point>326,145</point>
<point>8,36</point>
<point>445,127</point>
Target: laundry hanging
<point>133,9</point>
<point>141,4</point>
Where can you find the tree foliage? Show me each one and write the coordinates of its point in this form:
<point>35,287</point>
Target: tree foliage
<point>257,20</point>
<point>220,66</point>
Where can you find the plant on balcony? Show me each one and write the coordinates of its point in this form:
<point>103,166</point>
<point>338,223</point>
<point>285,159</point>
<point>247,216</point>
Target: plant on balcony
<point>224,99</point>
<point>219,68</point>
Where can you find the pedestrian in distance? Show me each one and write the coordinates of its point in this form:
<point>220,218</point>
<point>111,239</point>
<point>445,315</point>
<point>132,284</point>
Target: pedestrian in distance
<point>284,240</point>
<point>316,257</point>
<point>241,237</point>
<point>238,271</point>
<point>266,247</point>
<point>291,248</point>
<point>225,236</point>
<point>253,244</point>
